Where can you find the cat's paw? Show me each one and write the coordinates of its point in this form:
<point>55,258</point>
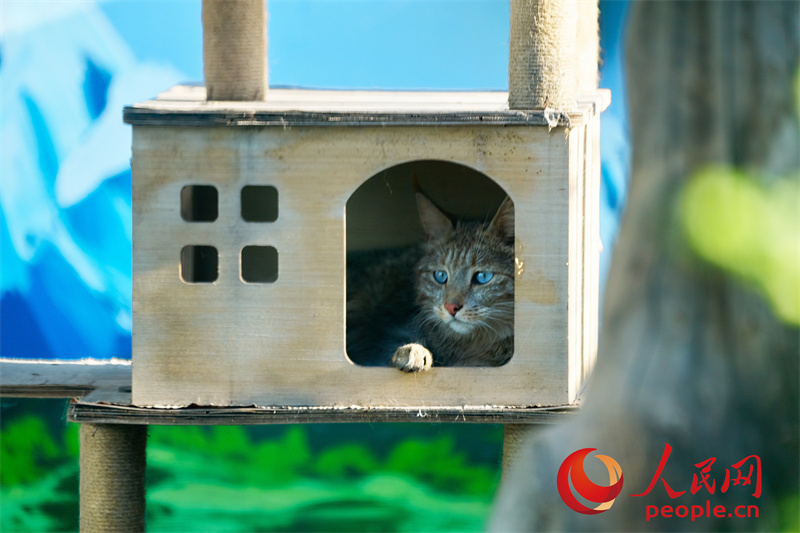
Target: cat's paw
<point>412,358</point>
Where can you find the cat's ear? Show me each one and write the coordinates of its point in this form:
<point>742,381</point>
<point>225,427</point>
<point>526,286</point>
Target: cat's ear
<point>435,223</point>
<point>503,221</point>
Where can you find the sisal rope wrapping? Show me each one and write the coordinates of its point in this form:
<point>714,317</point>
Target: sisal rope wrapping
<point>541,65</point>
<point>514,438</point>
<point>235,49</point>
<point>588,46</point>
<point>112,473</point>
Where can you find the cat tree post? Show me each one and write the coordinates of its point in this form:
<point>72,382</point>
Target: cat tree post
<point>541,62</point>
<point>554,52</point>
<point>112,477</point>
<point>235,49</point>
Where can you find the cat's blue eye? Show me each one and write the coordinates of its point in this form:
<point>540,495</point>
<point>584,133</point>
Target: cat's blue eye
<point>440,276</point>
<point>482,277</point>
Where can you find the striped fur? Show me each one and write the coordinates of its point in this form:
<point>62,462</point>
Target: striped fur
<point>384,313</point>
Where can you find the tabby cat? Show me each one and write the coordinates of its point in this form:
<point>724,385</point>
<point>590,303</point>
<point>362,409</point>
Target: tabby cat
<point>446,302</point>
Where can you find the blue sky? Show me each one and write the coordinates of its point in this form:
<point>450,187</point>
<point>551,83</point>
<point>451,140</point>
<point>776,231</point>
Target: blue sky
<point>343,44</point>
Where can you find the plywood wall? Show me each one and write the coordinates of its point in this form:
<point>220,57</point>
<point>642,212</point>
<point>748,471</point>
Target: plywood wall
<point>282,343</point>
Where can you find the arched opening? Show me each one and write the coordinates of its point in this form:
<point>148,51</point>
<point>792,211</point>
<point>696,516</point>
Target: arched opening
<point>391,299</point>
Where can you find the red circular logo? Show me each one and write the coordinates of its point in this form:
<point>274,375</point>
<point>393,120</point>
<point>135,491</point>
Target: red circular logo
<point>572,469</point>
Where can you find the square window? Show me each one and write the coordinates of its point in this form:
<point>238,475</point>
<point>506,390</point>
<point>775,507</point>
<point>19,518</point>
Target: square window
<point>199,264</point>
<point>199,203</point>
<point>259,203</point>
<point>259,264</point>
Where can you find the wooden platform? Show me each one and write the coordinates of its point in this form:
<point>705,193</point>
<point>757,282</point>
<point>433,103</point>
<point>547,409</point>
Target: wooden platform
<point>29,378</point>
<point>102,413</point>
<point>185,105</point>
<point>101,393</point>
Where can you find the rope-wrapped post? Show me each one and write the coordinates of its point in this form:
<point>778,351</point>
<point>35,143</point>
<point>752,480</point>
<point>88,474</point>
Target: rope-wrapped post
<point>514,438</point>
<point>235,49</point>
<point>112,465</point>
<point>541,64</point>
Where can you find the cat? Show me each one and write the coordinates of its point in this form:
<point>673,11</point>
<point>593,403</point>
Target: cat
<point>446,302</point>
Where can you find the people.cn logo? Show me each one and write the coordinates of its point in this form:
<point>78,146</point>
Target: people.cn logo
<point>572,470</point>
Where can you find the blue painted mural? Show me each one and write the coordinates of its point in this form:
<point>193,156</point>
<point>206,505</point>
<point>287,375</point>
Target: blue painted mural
<point>65,202</point>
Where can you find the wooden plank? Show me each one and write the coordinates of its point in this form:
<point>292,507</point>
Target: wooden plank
<point>591,304</point>
<point>62,379</point>
<point>105,391</point>
<point>103,413</point>
<point>575,300</point>
<point>157,117</point>
<point>288,98</point>
<point>186,106</point>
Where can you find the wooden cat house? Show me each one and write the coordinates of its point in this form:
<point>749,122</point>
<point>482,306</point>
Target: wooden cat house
<point>247,200</point>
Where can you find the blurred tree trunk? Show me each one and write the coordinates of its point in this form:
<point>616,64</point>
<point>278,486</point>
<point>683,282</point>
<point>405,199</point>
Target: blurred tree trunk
<point>688,355</point>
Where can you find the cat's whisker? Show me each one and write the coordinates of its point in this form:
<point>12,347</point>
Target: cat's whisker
<point>488,326</point>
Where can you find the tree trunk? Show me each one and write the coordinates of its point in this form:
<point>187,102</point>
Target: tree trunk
<point>689,356</point>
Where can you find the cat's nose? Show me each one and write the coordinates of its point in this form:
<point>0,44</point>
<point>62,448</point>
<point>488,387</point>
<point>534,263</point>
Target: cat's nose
<point>452,308</point>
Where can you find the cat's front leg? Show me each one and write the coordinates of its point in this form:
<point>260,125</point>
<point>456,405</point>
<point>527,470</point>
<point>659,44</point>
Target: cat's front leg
<point>412,358</point>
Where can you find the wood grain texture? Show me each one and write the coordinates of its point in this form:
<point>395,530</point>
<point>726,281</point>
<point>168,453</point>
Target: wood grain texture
<point>234,343</point>
<point>75,379</point>
<point>185,105</point>
<point>591,251</point>
<point>124,413</point>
